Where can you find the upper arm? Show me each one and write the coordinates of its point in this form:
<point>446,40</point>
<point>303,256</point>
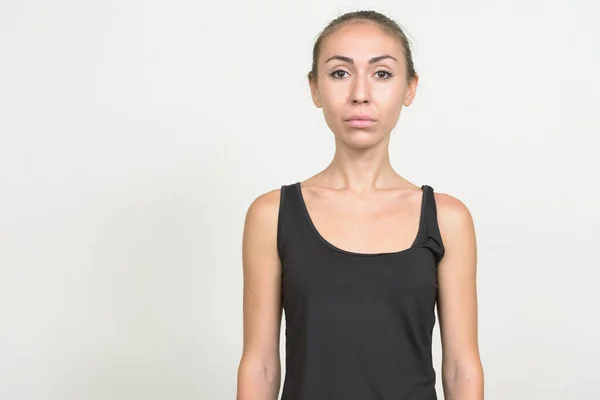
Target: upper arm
<point>261,281</point>
<point>457,296</point>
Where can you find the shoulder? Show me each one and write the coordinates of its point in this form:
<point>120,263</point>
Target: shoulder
<point>454,218</point>
<point>264,208</point>
<point>262,217</point>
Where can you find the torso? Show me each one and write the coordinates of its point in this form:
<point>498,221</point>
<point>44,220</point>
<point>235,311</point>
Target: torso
<point>359,305</point>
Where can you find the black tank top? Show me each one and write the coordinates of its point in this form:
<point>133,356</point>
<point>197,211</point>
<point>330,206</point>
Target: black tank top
<point>358,325</point>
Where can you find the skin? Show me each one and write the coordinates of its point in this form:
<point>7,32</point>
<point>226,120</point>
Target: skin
<point>360,188</point>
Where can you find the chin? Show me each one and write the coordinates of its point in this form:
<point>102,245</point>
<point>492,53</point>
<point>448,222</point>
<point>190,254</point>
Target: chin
<point>361,138</point>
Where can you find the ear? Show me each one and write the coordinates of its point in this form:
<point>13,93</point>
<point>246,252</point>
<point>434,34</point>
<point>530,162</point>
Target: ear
<point>411,90</point>
<point>314,92</point>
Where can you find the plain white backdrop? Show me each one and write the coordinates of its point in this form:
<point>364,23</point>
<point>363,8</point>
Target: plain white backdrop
<point>135,134</point>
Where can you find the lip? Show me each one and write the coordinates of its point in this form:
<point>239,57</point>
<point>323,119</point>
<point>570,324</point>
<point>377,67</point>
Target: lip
<point>360,121</point>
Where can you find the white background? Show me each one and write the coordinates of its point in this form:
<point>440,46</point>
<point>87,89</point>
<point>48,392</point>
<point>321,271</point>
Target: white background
<point>135,134</point>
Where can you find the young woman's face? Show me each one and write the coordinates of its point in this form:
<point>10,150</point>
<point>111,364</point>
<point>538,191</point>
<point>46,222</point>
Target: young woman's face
<point>362,72</point>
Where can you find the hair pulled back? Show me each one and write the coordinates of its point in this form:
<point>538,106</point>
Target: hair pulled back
<point>386,24</point>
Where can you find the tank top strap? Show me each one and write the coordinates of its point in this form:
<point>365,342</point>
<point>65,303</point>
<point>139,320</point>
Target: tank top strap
<point>432,237</point>
<point>290,219</point>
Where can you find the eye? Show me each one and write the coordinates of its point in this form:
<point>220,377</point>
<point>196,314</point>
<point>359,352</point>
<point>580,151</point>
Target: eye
<point>335,74</point>
<point>389,74</point>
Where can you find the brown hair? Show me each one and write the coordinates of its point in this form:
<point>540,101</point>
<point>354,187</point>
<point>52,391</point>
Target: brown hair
<point>386,24</point>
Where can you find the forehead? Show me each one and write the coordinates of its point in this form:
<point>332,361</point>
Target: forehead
<point>360,41</point>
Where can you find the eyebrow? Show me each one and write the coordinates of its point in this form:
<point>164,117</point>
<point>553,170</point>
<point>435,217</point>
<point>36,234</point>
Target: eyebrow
<point>351,61</point>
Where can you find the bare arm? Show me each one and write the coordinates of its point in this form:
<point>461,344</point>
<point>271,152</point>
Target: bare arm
<point>259,371</point>
<point>462,371</point>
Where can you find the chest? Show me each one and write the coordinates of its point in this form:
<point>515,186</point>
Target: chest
<point>321,276</point>
<point>383,226</point>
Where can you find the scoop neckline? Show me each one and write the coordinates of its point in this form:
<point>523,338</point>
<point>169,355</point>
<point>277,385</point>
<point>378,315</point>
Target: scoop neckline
<point>415,243</point>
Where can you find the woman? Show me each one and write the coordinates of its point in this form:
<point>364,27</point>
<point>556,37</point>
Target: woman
<point>357,256</point>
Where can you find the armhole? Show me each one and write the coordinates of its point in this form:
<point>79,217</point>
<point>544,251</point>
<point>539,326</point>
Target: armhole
<point>280,223</point>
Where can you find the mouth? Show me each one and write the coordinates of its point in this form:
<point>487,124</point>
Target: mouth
<point>360,121</point>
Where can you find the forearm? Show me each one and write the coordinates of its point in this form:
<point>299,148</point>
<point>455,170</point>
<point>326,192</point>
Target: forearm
<point>463,382</point>
<point>258,381</point>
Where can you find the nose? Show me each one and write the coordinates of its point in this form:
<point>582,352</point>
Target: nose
<point>360,91</point>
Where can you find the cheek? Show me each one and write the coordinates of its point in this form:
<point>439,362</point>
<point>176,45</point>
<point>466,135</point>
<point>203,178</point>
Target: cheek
<point>333,102</point>
<point>391,96</point>
<point>389,101</point>
<point>332,115</point>
<point>334,94</point>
